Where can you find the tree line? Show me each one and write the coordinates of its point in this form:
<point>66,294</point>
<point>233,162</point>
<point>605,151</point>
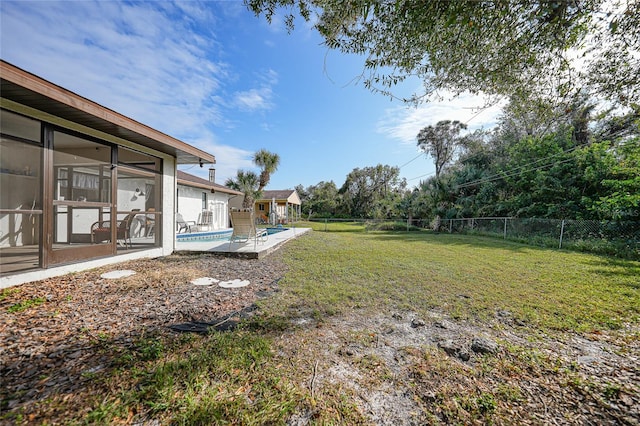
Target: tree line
<point>544,159</point>
<point>554,154</point>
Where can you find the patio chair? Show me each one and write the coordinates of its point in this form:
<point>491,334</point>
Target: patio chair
<point>205,221</point>
<point>244,228</point>
<point>150,223</point>
<point>101,230</point>
<point>183,225</point>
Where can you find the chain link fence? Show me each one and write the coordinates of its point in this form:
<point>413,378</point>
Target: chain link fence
<point>618,238</point>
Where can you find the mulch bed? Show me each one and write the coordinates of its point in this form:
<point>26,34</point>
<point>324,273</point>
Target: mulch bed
<point>53,332</point>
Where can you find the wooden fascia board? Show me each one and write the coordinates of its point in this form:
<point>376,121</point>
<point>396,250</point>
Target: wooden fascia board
<point>59,94</point>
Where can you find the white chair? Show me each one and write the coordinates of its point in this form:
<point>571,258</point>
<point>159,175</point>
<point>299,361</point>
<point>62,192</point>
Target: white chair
<point>182,224</point>
<point>205,221</point>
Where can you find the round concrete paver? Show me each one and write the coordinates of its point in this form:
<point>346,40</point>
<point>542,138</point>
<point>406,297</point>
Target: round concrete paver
<point>205,281</point>
<point>118,274</point>
<point>234,283</point>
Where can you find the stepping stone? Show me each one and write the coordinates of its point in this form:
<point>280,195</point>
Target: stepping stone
<point>234,283</point>
<point>118,274</point>
<point>205,281</point>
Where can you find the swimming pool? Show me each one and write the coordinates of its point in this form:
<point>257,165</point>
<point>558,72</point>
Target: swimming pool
<point>217,236</point>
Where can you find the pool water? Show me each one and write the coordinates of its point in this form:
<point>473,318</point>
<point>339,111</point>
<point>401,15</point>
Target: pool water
<point>216,236</point>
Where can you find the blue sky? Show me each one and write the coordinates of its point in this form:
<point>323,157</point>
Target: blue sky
<point>212,74</point>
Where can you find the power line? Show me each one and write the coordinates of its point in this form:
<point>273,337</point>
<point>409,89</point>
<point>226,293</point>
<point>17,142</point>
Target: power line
<point>427,174</point>
<point>511,172</point>
<point>498,177</point>
<point>413,159</point>
<point>420,154</point>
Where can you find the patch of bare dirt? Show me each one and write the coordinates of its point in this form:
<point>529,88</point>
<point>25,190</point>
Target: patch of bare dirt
<point>409,370</point>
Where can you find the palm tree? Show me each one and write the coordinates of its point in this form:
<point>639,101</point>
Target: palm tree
<point>269,163</point>
<point>247,183</point>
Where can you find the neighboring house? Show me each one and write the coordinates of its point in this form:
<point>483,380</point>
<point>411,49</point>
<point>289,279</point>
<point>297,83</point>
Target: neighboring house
<point>81,185</point>
<point>281,206</point>
<point>195,194</point>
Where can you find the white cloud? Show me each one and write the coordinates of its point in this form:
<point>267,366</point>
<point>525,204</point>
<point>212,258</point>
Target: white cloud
<point>229,159</point>
<point>404,123</point>
<point>254,99</point>
<point>142,59</point>
<point>260,98</point>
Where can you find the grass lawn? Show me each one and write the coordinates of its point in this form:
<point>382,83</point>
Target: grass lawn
<point>464,276</point>
<point>375,328</point>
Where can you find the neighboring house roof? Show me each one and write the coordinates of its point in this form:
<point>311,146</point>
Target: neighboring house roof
<point>290,195</point>
<point>198,182</point>
<point>32,91</point>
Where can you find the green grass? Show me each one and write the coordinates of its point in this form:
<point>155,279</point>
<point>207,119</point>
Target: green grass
<point>466,277</point>
<point>199,380</point>
<point>248,377</point>
<point>26,304</point>
<point>6,292</point>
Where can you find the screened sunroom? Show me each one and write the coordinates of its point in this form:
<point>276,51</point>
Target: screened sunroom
<point>80,185</point>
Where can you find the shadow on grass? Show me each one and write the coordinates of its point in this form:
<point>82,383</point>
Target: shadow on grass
<point>453,239</point>
<point>612,267</point>
<point>99,379</point>
<point>485,241</point>
<point>599,264</point>
<point>338,227</point>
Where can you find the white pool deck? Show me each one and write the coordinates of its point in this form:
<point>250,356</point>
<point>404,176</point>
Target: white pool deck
<point>248,249</point>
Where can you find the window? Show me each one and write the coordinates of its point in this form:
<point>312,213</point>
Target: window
<point>139,190</point>
<point>20,193</point>
<point>204,201</point>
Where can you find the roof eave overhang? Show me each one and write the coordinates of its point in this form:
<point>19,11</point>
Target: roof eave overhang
<point>203,186</point>
<point>30,90</point>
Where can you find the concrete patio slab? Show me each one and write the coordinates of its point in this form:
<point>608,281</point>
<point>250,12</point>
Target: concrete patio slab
<point>245,250</point>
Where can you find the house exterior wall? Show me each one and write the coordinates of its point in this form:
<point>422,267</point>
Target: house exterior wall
<point>190,202</point>
<point>286,209</point>
<point>236,202</point>
<point>190,205</point>
<point>168,199</point>
<point>167,218</point>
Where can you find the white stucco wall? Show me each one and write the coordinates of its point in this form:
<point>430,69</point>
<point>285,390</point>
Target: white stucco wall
<point>168,205</point>
<point>190,205</point>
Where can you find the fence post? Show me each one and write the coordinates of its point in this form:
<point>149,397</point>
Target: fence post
<point>450,226</point>
<point>561,233</point>
<point>505,229</point>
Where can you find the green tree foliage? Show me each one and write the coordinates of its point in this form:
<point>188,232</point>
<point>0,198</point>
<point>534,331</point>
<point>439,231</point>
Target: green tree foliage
<point>249,183</point>
<point>372,192</point>
<point>581,164</point>
<point>516,48</point>
<point>568,171</point>
<point>321,200</point>
<point>622,198</point>
<point>268,163</point>
<point>246,182</point>
<point>441,142</point>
